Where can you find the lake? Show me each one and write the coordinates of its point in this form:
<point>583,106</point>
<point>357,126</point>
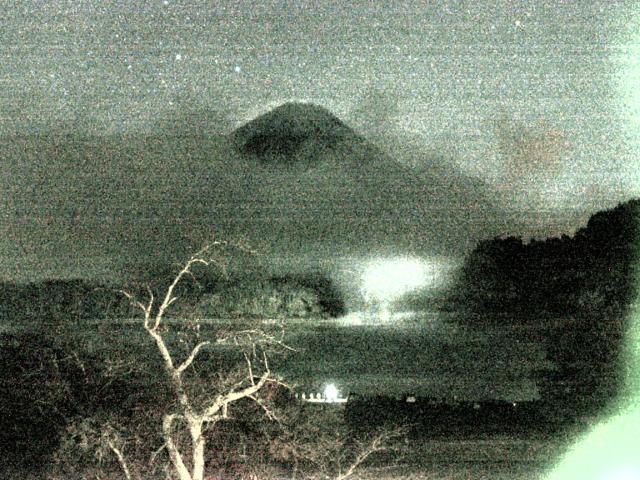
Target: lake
<point>426,354</point>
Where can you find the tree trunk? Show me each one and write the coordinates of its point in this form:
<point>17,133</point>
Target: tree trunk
<point>174,453</point>
<point>197,442</point>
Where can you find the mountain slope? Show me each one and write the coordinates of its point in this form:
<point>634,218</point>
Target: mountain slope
<point>281,134</point>
<point>297,182</point>
<point>329,184</point>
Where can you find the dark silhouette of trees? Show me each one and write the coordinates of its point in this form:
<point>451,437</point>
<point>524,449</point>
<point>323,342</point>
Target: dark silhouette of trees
<point>587,280</point>
<point>287,296</point>
<point>583,274</point>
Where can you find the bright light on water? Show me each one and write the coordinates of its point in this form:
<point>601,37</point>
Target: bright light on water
<point>388,279</point>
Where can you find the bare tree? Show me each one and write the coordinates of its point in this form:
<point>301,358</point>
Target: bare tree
<point>193,415</point>
<point>319,445</point>
<point>365,448</point>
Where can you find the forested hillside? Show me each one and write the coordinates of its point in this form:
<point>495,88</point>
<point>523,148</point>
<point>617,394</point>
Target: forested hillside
<point>585,282</point>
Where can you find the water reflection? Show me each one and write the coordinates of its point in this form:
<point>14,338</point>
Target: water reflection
<point>426,354</point>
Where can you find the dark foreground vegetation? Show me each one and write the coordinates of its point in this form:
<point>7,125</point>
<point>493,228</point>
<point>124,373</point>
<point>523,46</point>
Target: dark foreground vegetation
<point>587,282</point>
<point>79,384</point>
<point>83,395</point>
<point>64,403</point>
<point>64,411</point>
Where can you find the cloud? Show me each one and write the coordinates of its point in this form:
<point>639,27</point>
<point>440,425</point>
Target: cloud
<point>530,149</point>
<point>121,201</point>
<point>375,111</point>
<point>530,163</point>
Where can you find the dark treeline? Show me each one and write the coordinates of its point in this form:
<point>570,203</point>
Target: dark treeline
<point>586,282</point>
<point>311,295</point>
<point>585,273</point>
<point>432,418</point>
<point>55,301</point>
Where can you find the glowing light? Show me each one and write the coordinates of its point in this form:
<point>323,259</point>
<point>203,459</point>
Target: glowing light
<point>624,473</point>
<point>629,99</point>
<point>331,393</point>
<point>388,279</point>
<point>608,452</point>
<point>630,80</point>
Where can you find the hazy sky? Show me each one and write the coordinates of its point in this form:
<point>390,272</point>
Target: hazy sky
<point>538,99</point>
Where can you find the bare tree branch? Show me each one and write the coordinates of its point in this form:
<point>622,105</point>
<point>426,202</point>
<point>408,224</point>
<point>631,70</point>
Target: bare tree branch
<point>234,395</point>
<point>134,301</point>
<point>164,351</point>
<point>152,459</point>
<point>377,444</point>
<point>263,338</point>
<point>194,353</point>
<point>265,361</point>
<point>194,419</point>
<point>249,368</point>
<point>121,460</point>
<point>174,453</point>
<point>268,412</point>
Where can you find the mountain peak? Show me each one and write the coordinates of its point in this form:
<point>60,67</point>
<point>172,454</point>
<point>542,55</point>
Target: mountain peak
<point>283,131</point>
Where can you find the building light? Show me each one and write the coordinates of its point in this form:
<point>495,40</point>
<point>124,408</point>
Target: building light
<point>330,393</point>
